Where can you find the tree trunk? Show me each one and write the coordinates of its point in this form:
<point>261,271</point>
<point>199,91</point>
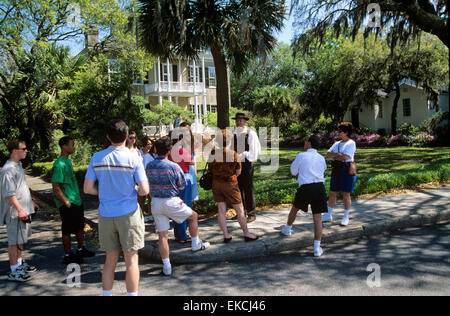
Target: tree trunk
<point>223,85</point>
<point>394,109</point>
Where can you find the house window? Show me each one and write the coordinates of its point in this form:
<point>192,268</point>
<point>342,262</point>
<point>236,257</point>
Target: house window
<point>380,110</point>
<point>198,74</point>
<point>175,73</point>
<point>211,77</point>
<point>164,72</point>
<point>212,108</point>
<point>406,107</point>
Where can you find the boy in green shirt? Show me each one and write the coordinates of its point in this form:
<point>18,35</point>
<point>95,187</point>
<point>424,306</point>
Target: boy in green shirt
<point>67,198</point>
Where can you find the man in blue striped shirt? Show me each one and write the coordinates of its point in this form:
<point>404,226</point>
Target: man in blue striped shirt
<point>121,223</point>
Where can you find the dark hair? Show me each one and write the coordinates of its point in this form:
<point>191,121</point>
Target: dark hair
<point>14,144</point>
<point>144,141</point>
<point>315,141</point>
<point>346,127</point>
<point>117,131</point>
<point>163,145</point>
<point>64,141</point>
<point>185,124</point>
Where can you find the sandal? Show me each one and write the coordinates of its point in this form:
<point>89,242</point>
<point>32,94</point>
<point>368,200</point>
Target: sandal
<point>187,240</point>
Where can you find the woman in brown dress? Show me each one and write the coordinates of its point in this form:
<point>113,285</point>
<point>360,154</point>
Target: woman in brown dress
<point>225,168</point>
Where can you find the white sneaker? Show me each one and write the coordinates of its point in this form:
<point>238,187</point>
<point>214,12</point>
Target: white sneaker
<point>167,270</point>
<point>28,268</point>
<point>286,231</point>
<point>318,252</point>
<point>19,275</point>
<point>200,246</point>
<point>327,217</point>
<point>345,221</point>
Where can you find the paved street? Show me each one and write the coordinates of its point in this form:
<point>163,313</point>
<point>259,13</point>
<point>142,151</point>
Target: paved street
<point>412,262</point>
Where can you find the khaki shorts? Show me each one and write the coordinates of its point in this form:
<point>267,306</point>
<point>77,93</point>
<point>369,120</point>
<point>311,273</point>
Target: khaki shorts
<point>165,208</point>
<point>18,232</point>
<point>126,232</point>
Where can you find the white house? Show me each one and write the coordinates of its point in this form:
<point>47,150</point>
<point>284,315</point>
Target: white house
<point>190,84</point>
<point>414,107</point>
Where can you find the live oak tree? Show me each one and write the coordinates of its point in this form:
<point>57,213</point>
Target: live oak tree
<point>233,31</point>
<point>400,19</point>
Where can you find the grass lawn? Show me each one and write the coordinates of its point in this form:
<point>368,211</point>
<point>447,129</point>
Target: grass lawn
<point>379,169</point>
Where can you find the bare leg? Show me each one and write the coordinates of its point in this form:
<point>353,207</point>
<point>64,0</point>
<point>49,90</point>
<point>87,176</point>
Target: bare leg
<point>66,243</point>
<point>133,274</point>
<point>222,209</point>
<point>80,239</point>
<point>332,199</point>
<point>14,254</point>
<point>193,224</point>
<point>347,200</point>
<point>109,269</point>
<point>242,220</point>
<point>163,244</point>
<point>317,226</point>
<point>292,216</point>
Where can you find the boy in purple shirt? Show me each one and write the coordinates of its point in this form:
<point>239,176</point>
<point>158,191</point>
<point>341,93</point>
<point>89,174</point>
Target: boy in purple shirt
<point>166,179</point>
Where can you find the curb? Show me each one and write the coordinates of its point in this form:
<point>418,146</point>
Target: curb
<point>273,244</point>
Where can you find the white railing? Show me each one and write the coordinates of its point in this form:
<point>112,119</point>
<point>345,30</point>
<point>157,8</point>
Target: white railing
<point>175,87</point>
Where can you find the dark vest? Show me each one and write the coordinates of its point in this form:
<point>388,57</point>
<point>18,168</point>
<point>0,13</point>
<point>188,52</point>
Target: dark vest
<point>247,146</point>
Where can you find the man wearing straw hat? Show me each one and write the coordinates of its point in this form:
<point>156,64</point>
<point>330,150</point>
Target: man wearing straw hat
<point>248,147</point>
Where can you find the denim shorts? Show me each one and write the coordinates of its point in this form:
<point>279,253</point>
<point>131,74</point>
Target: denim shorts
<point>341,181</point>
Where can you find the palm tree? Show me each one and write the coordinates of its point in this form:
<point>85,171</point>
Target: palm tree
<point>233,30</point>
<point>273,101</point>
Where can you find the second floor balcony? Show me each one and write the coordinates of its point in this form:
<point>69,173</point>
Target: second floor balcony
<point>173,87</point>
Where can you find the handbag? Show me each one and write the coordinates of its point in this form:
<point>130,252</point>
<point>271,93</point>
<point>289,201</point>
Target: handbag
<point>352,168</point>
<point>206,179</point>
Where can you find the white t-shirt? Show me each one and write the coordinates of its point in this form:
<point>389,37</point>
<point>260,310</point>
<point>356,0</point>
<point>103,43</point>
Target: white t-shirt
<point>310,167</point>
<point>347,148</point>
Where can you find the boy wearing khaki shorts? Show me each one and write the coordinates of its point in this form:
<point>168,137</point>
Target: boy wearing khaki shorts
<point>121,223</point>
<point>166,179</point>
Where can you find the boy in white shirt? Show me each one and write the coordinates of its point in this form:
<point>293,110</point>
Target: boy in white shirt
<point>310,168</point>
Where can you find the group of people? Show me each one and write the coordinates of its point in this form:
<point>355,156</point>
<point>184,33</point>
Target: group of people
<point>161,180</point>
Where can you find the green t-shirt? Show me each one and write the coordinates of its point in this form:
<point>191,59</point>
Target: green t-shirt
<point>64,175</point>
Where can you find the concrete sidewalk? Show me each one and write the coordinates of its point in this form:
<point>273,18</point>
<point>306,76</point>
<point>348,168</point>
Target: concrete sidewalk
<point>369,217</point>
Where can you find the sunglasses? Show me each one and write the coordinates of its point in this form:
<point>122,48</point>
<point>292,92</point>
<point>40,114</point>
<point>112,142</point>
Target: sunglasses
<point>132,137</point>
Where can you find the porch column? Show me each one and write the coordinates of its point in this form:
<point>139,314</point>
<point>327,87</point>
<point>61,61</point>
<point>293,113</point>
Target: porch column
<point>169,79</point>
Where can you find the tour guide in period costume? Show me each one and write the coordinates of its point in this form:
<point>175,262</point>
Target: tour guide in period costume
<point>246,144</point>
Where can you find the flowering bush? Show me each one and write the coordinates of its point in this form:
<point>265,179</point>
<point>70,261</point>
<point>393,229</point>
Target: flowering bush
<point>420,139</point>
<point>397,140</point>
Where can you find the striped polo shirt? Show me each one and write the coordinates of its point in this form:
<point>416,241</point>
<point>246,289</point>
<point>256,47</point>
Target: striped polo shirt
<point>117,171</point>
